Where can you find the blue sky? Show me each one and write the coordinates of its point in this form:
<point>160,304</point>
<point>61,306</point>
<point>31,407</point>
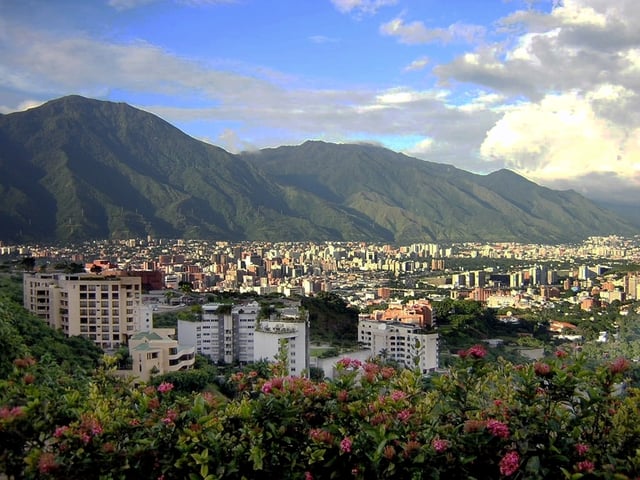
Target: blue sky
<point>548,89</point>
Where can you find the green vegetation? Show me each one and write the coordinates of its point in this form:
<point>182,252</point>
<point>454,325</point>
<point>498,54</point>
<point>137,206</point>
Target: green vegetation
<point>332,320</point>
<point>24,335</point>
<point>167,184</point>
<point>562,417</point>
<point>491,416</point>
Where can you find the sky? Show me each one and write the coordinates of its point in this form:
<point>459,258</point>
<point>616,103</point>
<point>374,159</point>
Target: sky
<point>548,89</point>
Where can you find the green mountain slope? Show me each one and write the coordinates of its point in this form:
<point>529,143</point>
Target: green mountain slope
<point>414,199</point>
<point>77,168</point>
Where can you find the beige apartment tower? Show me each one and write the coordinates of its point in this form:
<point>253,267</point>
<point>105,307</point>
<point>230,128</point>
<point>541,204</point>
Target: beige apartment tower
<point>105,309</point>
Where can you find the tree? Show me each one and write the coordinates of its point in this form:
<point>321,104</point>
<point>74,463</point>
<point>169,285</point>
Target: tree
<point>28,264</point>
<point>169,295</point>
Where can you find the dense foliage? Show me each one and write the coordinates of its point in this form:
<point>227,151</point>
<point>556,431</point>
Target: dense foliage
<point>331,319</point>
<point>24,335</point>
<point>568,416</point>
<point>551,419</point>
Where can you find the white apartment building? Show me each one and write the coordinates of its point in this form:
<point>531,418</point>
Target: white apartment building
<point>238,334</point>
<point>225,332</point>
<point>105,309</point>
<point>285,335</point>
<point>406,343</point>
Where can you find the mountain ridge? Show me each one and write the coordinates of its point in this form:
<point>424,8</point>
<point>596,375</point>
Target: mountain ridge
<point>78,168</point>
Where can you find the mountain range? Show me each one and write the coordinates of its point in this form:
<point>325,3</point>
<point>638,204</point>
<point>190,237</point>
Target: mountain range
<point>77,169</point>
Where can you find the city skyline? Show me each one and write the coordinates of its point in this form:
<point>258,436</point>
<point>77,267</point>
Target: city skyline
<point>547,89</point>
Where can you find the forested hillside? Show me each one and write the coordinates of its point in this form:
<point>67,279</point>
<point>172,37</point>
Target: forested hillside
<point>77,168</point>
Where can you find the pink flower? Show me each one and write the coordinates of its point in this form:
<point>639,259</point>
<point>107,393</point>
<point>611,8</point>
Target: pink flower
<point>308,476</point>
<point>389,452</point>
<point>471,426</point>
<point>165,387</point>
<point>388,372</point>
<point>582,449</point>
<point>542,369</point>
<point>498,429</point>
<point>398,395</point>
<point>440,445</point>
<point>345,445</point>
<point>267,387</point>
<point>619,365</point>
<point>586,466</point>
<point>170,417</point>
<point>321,436</point>
<point>11,413</point>
<point>17,411</point>
<point>477,351</point>
<point>96,429</point>
<point>349,363</point>
<point>509,463</point>
<point>561,354</point>
<point>60,431</point>
<point>404,415</point>
<point>47,463</point>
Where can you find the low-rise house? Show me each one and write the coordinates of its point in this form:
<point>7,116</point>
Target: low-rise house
<point>156,352</point>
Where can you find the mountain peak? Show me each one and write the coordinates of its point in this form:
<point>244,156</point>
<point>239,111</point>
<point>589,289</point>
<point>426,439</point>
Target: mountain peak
<point>78,168</point>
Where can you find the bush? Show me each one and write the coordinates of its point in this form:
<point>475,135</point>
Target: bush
<point>551,419</point>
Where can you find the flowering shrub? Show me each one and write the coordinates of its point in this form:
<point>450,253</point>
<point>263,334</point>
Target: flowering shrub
<point>550,419</point>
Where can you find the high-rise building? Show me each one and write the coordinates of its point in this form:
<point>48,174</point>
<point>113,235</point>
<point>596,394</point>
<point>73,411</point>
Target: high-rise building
<point>246,333</point>
<point>104,309</point>
<point>408,344</point>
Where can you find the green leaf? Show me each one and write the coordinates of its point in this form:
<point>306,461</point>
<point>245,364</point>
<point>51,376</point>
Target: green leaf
<point>257,457</point>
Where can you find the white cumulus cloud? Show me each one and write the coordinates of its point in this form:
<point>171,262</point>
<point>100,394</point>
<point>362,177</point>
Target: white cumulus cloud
<point>361,6</point>
<point>416,32</point>
<point>564,136</point>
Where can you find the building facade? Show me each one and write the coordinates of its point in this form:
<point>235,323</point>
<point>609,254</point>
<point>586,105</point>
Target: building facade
<point>408,344</point>
<point>104,309</point>
<point>246,333</point>
<point>284,336</point>
<point>403,333</point>
<point>155,352</point>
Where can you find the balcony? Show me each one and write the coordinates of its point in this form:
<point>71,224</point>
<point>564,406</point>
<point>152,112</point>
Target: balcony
<point>181,353</point>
